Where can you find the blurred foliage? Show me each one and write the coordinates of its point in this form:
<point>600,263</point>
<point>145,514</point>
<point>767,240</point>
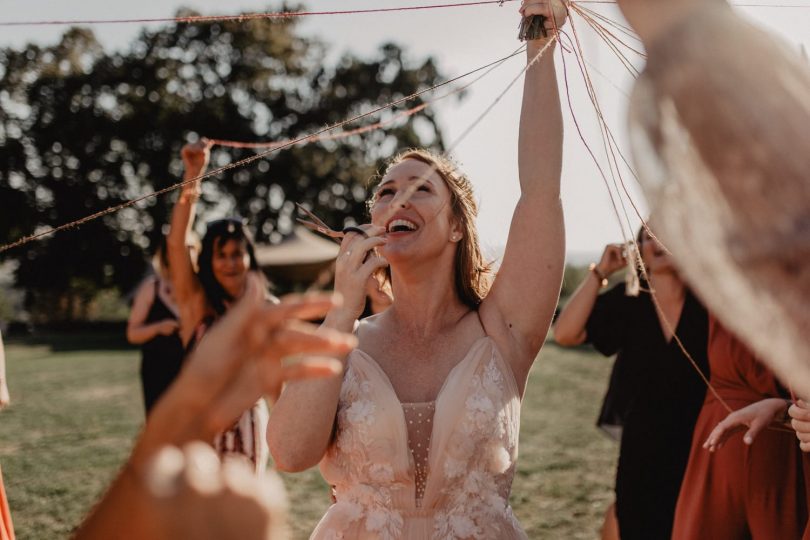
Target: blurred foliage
<point>83,129</point>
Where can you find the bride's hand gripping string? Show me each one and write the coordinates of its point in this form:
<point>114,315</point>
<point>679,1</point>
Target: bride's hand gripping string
<point>541,21</point>
<point>357,260</point>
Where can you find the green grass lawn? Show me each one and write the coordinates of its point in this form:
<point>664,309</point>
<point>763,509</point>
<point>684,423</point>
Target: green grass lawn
<point>76,406</point>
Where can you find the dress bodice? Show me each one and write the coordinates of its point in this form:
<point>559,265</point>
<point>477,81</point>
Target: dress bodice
<point>472,440</point>
<point>419,422</point>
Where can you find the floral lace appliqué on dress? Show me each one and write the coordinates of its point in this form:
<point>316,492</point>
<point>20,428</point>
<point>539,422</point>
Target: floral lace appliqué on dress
<point>460,490</point>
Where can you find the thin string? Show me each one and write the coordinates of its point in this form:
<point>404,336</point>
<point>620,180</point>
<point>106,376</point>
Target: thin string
<point>370,127</point>
<point>608,147</point>
<point>605,32</point>
<point>624,29</point>
<point>624,159</point>
<point>322,137</point>
<point>588,147</point>
<point>400,200</point>
<point>292,14</point>
<point>607,79</point>
<point>30,238</point>
<point>608,38</point>
<point>248,16</point>
<point>668,325</point>
<point>736,4</point>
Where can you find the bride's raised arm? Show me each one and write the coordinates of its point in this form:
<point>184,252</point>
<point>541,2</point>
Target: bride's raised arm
<point>523,297</point>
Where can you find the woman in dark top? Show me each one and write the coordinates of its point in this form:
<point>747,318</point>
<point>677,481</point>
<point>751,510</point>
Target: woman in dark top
<point>205,293</point>
<point>655,392</point>
<point>154,326</point>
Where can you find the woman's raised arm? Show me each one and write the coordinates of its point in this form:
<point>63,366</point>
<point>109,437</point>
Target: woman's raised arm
<point>569,329</point>
<point>187,290</point>
<point>521,302</point>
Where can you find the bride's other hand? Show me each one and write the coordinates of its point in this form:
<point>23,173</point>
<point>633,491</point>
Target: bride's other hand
<point>357,260</point>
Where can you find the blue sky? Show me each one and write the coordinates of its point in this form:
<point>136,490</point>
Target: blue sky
<point>461,39</point>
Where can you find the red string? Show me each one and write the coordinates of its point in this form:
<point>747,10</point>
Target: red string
<point>52,230</point>
<point>247,16</point>
<point>736,4</point>
<point>291,14</point>
<point>363,129</point>
<point>321,137</point>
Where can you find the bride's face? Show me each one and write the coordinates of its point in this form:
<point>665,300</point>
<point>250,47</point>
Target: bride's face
<point>421,227</point>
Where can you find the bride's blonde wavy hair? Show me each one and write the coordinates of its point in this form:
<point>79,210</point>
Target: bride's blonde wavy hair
<point>473,275</point>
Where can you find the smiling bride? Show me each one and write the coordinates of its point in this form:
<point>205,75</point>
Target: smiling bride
<point>420,437</point>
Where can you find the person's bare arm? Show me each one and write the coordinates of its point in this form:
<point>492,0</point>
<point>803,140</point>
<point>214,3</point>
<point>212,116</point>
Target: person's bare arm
<point>138,330</point>
<point>521,302</point>
<point>187,289</point>
<point>569,329</point>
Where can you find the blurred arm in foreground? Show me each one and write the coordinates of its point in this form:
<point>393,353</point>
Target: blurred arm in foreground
<point>165,492</point>
<point>720,127</point>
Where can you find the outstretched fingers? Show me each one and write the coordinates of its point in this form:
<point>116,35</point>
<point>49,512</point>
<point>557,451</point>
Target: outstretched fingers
<point>755,417</point>
<point>264,370</point>
<point>722,431</point>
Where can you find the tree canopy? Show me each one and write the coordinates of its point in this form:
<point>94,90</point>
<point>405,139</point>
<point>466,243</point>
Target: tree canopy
<point>83,129</point>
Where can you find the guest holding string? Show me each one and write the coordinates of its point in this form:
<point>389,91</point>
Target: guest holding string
<point>750,483</point>
<point>227,258</point>
<point>153,324</point>
<point>655,393</point>
<point>419,438</point>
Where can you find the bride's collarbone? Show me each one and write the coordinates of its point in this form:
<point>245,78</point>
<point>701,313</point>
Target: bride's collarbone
<point>417,368</point>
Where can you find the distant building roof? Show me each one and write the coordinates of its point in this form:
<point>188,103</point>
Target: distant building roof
<point>298,260</point>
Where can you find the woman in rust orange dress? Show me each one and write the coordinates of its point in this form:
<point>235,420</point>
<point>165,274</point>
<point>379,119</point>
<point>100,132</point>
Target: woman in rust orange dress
<point>746,489</point>
<point>6,528</point>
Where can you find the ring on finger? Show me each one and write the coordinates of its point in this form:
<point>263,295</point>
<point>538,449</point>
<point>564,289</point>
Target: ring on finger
<point>352,229</point>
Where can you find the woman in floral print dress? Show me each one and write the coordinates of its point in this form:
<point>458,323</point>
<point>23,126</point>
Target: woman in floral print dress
<point>419,439</point>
